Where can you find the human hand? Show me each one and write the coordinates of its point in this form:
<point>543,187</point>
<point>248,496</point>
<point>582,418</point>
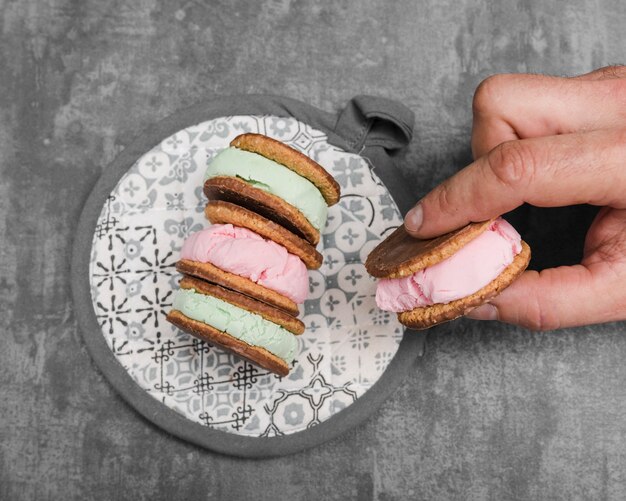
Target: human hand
<point>547,141</point>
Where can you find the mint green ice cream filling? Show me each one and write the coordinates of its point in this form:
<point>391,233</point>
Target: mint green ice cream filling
<point>273,178</point>
<point>248,327</point>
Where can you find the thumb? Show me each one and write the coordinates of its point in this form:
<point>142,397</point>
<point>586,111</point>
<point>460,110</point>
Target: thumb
<point>554,298</point>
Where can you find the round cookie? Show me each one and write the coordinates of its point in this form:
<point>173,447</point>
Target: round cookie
<point>238,192</point>
<point>292,159</point>
<point>400,254</point>
<point>220,212</point>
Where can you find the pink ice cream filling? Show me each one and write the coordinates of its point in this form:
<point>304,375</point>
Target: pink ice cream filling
<point>243,252</point>
<point>468,270</point>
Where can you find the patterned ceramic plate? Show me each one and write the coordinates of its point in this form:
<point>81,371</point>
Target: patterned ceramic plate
<point>348,342</point>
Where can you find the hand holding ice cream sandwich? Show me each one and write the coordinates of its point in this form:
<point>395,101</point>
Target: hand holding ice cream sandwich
<point>431,281</point>
<point>549,142</point>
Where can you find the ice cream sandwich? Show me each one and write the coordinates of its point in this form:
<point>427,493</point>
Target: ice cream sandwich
<point>249,328</point>
<point>427,282</point>
<point>274,180</point>
<point>247,253</point>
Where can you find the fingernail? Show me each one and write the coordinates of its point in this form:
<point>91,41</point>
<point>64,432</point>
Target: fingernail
<point>413,219</point>
<point>484,312</point>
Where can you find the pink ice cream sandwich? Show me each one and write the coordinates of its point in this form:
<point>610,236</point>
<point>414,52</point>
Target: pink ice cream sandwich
<point>427,282</point>
<point>247,253</point>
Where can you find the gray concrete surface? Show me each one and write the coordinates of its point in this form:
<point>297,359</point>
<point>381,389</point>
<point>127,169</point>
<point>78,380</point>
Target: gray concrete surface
<point>491,412</point>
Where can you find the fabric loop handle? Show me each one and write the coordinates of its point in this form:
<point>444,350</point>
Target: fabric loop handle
<point>375,121</point>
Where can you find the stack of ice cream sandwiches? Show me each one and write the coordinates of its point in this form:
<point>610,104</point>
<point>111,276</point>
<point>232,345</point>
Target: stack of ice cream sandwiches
<point>245,275</point>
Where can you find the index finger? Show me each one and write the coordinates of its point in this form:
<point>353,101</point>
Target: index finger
<point>546,172</point>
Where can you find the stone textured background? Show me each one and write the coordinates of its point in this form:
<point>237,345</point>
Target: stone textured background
<point>490,412</point>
